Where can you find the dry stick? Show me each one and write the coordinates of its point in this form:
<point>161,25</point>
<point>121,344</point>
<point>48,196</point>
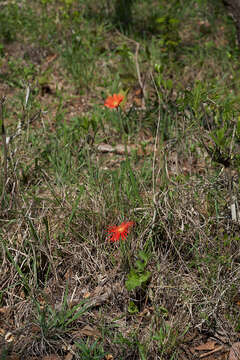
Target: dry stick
<point>233,205</point>
<point>232,140</point>
<point>219,348</point>
<point>154,163</point>
<point>139,75</point>
<point>5,149</point>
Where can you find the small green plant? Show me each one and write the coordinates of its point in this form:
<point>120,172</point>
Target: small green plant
<point>220,138</point>
<point>168,28</point>
<point>89,351</point>
<point>132,308</point>
<point>224,147</point>
<point>138,275</point>
<point>119,118</point>
<point>166,337</point>
<point>52,321</point>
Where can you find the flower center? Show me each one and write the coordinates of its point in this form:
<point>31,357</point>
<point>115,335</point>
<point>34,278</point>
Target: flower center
<point>121,229</point>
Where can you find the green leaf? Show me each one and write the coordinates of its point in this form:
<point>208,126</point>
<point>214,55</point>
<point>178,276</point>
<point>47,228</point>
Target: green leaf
<point>132,308</point>
<point>140,265</point>
<point>161,20</point>
<point>144,277</point>
<point>135,279</point>
<point>143,256</point>
<point>220,137</point>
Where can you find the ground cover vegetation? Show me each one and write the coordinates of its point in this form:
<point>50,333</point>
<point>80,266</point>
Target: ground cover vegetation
<point>119,222</point>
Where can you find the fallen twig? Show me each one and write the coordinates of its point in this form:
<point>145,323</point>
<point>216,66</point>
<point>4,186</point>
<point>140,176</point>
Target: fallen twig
<point>5,148</point>
<point>121,149</point>
<point>139,75</point>
<point>219,348</point>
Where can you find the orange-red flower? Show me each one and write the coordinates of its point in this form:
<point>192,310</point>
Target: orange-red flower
<point>114,101</point>
<point>121,231</point>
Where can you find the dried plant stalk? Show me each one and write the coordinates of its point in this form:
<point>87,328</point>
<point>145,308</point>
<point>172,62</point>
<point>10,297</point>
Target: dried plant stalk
<point>5,148</point>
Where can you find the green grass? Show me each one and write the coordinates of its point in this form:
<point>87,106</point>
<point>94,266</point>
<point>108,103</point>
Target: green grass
<point>173,170</point>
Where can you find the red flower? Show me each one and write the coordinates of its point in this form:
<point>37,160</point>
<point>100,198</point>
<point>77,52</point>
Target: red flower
<point>121,231</point>
<point>114,101</point>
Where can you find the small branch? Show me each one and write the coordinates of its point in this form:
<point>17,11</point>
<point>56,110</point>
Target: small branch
<point>121,149</point>
<point>154,162</point>
<point>139,75</point>
<point>5,148</point>
<point>219,348</point>
<point>232,140</point>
